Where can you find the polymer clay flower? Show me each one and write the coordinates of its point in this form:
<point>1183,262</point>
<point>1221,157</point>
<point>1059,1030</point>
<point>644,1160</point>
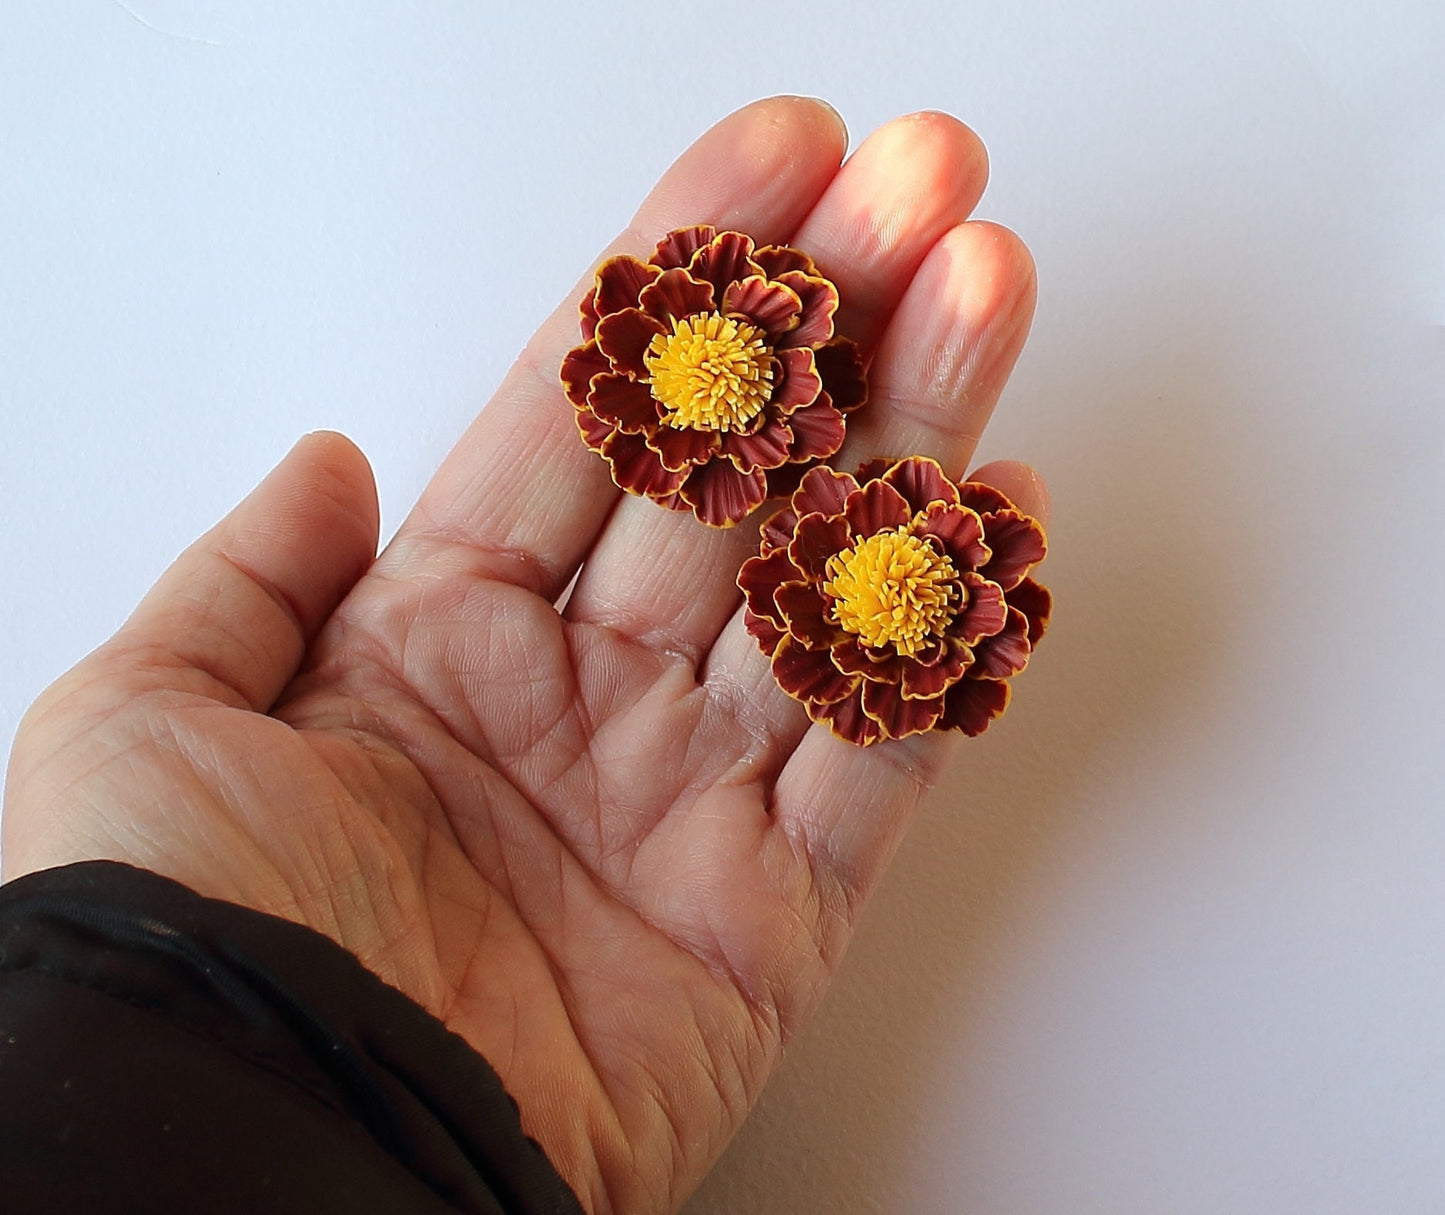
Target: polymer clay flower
<point>711,377</point>
<point>896,601</point>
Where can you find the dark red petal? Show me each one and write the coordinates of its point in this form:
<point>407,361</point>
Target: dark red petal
<point>777,260</point>
<point>587,314</point>
<point>848,721</point>
<point>768,448</point>
<point>624,336</point>
<point>922,682</point>
<point>615,398</point>
<point>931,651</point>
<point>841,366</point>
<point>824,491</point>
<point>805,611</point>
<point>1035,602</point>
<point>772,307</point>
<point>724,260</point>
<point>675,296</point>
<point>875,508</point>
<point>819,301</point>
<point>818,431</point>
<point>595,431</point>
<point>764,632</point>
<point>681,447</point>
<point>720,495</point>
<point>578,368</point>
<point>759,579</point>
<point>983,498</point>
<point>636,468</point>
<point>797,382</point>
<point>677,248</point>
<point>873,470</point>
<point>922,481</point>
<point>764,417</point>
<point>972,703</point>
<point>984,613</point>
<point>783,480</point>
<point>778,530</point>
<point>1006,652</point>
<point>1018,544</point>
<point>897,717</point>
<point>806,674</point>
<point>815,539</point>
<point>853,657</point>
<point>620,281</point>
<point>959,530</point>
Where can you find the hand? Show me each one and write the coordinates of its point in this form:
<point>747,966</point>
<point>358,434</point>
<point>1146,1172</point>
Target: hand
<point>600,844</point>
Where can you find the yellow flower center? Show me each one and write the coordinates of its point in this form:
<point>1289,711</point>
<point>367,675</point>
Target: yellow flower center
<point>711,373</point>
<point>892,589</point>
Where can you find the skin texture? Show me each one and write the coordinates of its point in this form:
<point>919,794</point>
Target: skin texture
<point>599,844</point>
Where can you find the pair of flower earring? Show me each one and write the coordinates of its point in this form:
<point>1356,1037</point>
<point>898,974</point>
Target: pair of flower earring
<point>890,601</point>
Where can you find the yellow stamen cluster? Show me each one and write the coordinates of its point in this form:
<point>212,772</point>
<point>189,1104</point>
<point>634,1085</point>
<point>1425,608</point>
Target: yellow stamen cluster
<point>892,589</point>
<point>712,372</point>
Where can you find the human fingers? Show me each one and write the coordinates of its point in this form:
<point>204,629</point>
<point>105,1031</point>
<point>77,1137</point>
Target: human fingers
<point>658,577</point>
<point>520,498</point>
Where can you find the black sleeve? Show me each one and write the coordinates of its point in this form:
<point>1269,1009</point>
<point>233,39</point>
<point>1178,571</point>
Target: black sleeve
<point>164,1052</point>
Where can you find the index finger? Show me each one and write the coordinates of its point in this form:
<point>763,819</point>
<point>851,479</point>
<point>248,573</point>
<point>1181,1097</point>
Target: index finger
<point>520,498</point>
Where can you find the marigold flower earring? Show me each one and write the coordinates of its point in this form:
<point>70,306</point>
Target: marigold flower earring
<point>710,377</point>
<point>896,601</point>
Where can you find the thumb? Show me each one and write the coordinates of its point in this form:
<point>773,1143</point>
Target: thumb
<point>240,606</point>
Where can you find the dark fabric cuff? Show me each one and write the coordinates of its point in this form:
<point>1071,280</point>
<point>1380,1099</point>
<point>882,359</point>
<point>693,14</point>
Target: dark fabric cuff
<point>164,1051</point>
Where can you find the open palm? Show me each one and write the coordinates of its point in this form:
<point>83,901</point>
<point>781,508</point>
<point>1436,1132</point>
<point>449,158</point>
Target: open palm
<point>595,841</point>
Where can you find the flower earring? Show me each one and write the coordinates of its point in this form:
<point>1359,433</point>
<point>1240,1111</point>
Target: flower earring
<point>896,601</point>
<point>710,377</point>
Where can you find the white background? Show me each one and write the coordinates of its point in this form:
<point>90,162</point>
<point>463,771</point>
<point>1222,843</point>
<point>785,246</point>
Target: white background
<point>1172,937</point>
